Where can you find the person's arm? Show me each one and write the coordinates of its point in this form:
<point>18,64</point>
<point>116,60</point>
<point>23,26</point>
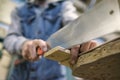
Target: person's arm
<point>14,38</point>
<point>15,42</point>
<point>69,12</point>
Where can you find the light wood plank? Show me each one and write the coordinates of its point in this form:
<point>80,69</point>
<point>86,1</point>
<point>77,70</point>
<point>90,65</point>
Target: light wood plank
<point>101,63</point>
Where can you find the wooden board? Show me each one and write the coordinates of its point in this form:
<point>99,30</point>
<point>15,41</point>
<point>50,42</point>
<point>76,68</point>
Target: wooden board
<point>101,63</point>
<point>59,54</point>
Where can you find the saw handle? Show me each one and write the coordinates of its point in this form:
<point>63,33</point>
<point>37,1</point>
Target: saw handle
<point>39,51</point>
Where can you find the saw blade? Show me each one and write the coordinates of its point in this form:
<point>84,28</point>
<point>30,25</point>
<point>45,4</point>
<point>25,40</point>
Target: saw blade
<point>103,19</point>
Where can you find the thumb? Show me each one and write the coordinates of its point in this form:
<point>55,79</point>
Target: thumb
<point>43,45</point>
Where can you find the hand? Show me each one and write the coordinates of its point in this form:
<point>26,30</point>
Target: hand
<point>81,48</point>
<point>29,49</point>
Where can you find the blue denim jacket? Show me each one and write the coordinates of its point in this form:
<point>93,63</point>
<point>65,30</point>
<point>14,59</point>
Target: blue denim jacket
<point>26,24</point>
<point>42,26</point>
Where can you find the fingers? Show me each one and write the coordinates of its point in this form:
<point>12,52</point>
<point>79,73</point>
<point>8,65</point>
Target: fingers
<point>85,46</point>
<point>32,52</point>
<point>93,44</point>
<point>81,48</point>
<point>29,49</point>
<point>42,44</point>
<point>74,54</point>
<point>88,45</point>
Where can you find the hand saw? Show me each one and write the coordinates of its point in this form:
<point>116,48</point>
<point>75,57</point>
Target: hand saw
<point>103,19</point>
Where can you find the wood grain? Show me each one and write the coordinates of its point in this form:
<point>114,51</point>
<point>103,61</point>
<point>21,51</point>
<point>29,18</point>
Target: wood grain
<point>101,63</point>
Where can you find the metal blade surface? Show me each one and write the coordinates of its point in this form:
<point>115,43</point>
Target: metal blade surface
<point>103,19</point>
